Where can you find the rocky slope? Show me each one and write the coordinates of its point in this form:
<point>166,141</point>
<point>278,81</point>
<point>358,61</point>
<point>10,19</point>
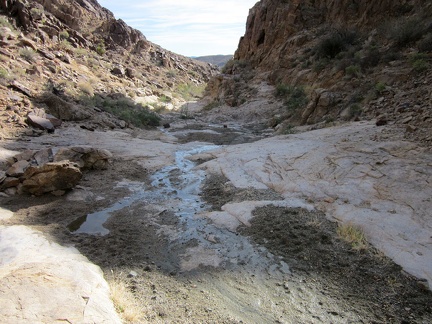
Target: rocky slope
<point>74,60</point>
<point>332,60</point>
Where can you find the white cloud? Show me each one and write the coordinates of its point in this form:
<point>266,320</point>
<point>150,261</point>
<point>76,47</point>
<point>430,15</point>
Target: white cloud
<point>193,28</point>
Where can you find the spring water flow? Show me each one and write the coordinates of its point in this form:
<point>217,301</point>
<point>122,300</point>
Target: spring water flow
<point>177,187</point>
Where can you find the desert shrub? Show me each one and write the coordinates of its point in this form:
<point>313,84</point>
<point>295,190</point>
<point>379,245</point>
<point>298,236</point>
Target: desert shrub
<point>171,74</point>
<point>65,46</point>
<point>294,97</point>
<point>354,110</point>
<point>129,111</point>
<point>425,45</point>
<point>353,71</point>
<point>184,112</point>
<point>190,91</point>
<point>36,12</point>
<point>64,34</point>
<point>4,22</point>
<point>335,43</point>
<point>86,87</point>
<point>125,303</point>
<point>165,99</point>
<point>28,54</point>
<point>370,57</point>
<point>352,235</point>
<point>405,31</point>
<point>320,65</point>
<point>100,48</point>
<point>419,62</point>
<point>392,55</point>
<point>3,73</point>
<point>380,87</point>
<point>5,77</point>
<point>282,90</point>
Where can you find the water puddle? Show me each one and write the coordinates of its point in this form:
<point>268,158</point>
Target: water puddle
<point>93,223</point>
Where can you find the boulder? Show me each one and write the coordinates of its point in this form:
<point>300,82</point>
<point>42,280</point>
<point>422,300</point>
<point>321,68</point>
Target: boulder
<point>44,282</point>
<point>51,177</point>
<point>18,168</point>
<point>40,122</point>
<point>63,109</point>
<point>118,70</point>
<point>85,157</point>
<point>43,156</point>
<point>10,182</point>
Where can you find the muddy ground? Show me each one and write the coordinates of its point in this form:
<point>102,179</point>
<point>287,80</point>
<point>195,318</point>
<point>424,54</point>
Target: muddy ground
<point>327,282</point>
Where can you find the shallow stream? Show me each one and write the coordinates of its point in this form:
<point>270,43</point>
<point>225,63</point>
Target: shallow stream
<point>176,188</point>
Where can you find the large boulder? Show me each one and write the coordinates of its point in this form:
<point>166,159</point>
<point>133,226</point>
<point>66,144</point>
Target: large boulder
<point>85,157</point>
<point>40,122</point>
<point>51,177</point>
<point>63,109</point>
<point>43,282</point>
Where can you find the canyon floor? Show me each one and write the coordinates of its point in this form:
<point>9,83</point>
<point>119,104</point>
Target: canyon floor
<point>213,223</point>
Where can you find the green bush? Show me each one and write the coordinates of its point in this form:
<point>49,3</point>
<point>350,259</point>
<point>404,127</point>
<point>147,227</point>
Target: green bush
<point>4,22</point>
<point>190,91</point>
<point>419,62</point>
<point>425,45</point>
<point>127,110</point>
<point>100,48</point>
<point>294,97</point>
<point>337,42</point>
<point>355,110</point>
<point>64,34</point>
<point>171,74</point>
<point>353,71</point>
<point>3,73</point>
<point>28,54</point>
<point>165,99</point>
<point>380,87</point>
<point>406,31</point>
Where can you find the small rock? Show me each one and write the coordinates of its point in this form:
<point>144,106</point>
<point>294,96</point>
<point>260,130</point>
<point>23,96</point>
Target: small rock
<point>19,87</point>
<point>58,193</point>
<point>132,274</point>
<point>406,120</point>
<point>410,129</point>
<point>10,182</point>
<point>43,156</point>
<point>166,125</point>
<point>381,121</point>
<point>17,169</point>
<point>11,191</point>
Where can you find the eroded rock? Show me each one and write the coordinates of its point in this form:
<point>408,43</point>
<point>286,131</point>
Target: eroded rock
<point>85,157</point>
<point>51,177</point>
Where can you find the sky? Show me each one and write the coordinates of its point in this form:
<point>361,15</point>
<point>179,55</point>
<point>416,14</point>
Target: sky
<point>190,28</point>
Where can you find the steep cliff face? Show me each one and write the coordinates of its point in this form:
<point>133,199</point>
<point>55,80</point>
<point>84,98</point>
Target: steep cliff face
<point>275,28</point>
<point>331,59</point>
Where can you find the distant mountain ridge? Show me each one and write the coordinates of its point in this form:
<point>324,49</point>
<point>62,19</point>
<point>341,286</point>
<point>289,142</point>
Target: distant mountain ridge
<point>218,60</point>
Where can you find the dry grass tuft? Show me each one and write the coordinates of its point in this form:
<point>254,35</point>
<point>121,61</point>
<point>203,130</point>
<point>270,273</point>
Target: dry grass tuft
<point>124,301</point>
<point>352,235</point>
